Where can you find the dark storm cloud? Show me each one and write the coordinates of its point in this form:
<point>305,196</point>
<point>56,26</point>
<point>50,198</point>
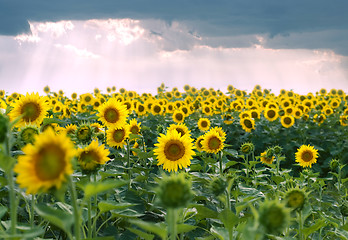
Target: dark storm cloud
<point>221,18</point>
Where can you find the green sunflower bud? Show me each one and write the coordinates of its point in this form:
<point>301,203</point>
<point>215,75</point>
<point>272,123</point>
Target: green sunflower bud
<point>247,148</point>
<point>274,217</point>
<point>28,133</point>
<point>218,186</point>
<point>334,165</point>
<point>84,133</point>
<point>174,191</point>
<point>277,150</point>
<point>3,127</point>
<point>295,198</point>
<point>270,153</point>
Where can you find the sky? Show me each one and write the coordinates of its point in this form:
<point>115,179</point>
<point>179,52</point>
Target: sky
<point>79,45</point>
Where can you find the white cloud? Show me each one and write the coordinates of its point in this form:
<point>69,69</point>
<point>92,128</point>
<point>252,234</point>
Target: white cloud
<point>77,51</point>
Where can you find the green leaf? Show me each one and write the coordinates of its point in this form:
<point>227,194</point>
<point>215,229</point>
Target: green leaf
<point>142,234</point>
<point>57,217</point>
<point>345,227</point>
<point>183,228</point>
<point>228,218</point>
<point>277,179</point>
<point>204,212</point>
<point>6,162</point>
<point>126,213</point>
<point>219,233</point>
<point>156,228</point>
<point>319,224</point>
<point>32,233</point>
<point>108,206</point>
<point>231,152</point>
<point>231,163</point>
<point>94,188</point>
<point>134,136</point>
<point>3,211</point>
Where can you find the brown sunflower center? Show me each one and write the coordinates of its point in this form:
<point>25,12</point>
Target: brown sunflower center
<point>271,113</point>
<point>180,130</point>
<point>204,124</point>
<point>88,99</point>
<point>88,160</point>
<point>287,120</point>
<point>248,123</point>
<point>119,135</point>
<point>31,111</point>
<point>134,129</point>
<point>174,150</point>
<point>179,116</point>
<point>111,115</point>
<point>214,143</point>
<point>141,108</point>
<point>157,109</point>
<point>50,162</point>
<point>307,156</point>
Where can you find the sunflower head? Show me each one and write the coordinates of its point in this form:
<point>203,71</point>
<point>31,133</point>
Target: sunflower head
<point>174,151</point>
<point>267,157</point>
<point>334,165</point>
<point>113,113</point>
<point>116,137</point>
<point>174,191</point>
<point>212,142</point>
<point>247,148</point>
<point>247,124</point>
<point>92,156</point>
<point>198,143</point>
<point>27,134</point>
<point>306,155</point>
<point>46,163</point>
<point>273,216</point>
<point>295,198</point>
<point>84,133</point>
<point>204,124</point>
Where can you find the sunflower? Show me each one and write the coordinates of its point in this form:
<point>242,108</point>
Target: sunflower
<point>27,134</point>
<point>178,116</point>
<point>295,198</point>
<point>70,129</point>
<point>113,113</point>
<point>180,128</point>
<point>319,118</point>
<point>344,120</point>
<point>92,156</point>
<point>271,114</point>
<point>198,143</point>
<point>212,142</point>
<point>220,131</point>
<point>306,155</point>
<point>47,89</point>
<point>156,109</point>
<point>45,164</point>
<point>115,137</point>
<point>140,109</point>
<point>287,121</point>
<point>174,150</point>
<point>134,126</point>
<point>204,124</point>
<point>247,124</point>
<point>32,107</point>
<point>265,159</point>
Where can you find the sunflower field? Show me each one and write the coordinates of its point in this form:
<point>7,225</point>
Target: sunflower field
<point>197,164</point>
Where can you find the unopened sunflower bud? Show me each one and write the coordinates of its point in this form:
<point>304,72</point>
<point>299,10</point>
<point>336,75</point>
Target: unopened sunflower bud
<point>247,148</point>
<point>274,217</point>
<point>295,198</point>
<point>277,150</point>
<point>334,164</point>
<point>174,191</point>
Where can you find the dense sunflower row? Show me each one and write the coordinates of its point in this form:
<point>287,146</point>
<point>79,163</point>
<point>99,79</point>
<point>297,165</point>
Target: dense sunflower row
<point>55,138</point>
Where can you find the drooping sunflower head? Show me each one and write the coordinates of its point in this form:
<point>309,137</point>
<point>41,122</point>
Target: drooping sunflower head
<point>92,156</point>
<point>27,134</point>
<point>116,137</point>
<point>198,143</point>
<point>247,148</point>
<point>266,158</point>
<point>295,198</point>
<point>212,142</point>
<point>113,113</point>
<point>84,133</point>
<point>247,124</point>
<point>45,164</point>
<point>306,155</point>
<point>274,216</point>
<point>31,107</point>
<point>174,191</point>
<point>180,128</point>
<point>218,185</point>
<point>174,151</point>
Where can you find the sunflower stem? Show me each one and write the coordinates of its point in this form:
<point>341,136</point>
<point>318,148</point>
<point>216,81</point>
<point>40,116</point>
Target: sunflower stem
<point>76,210</point>
<point>247,166</point>
<point>89,224</point>
<point>95,202</point>
<point>300,222</point>
<point>339,179</point>
<point>220,162</point>
<point>32,210</point>
<point>171,221</point>
<point>128,163</point>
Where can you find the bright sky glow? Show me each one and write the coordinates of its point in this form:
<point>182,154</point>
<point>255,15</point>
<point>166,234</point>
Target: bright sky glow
<point>139,55</point>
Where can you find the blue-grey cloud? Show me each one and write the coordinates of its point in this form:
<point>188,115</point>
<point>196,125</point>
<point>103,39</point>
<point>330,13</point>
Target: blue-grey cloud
<point>277,20</point>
